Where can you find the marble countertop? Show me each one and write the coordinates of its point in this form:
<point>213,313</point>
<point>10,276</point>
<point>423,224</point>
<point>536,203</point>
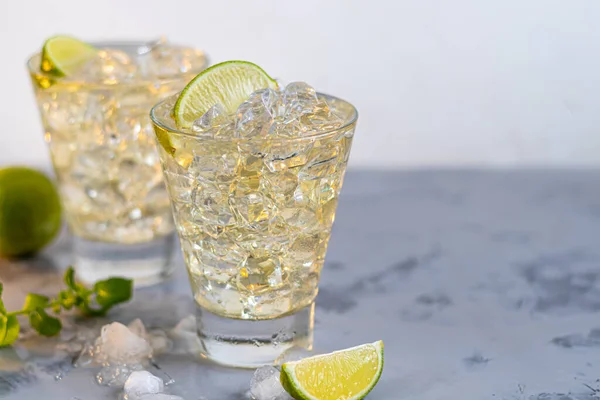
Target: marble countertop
<point>482,284</point>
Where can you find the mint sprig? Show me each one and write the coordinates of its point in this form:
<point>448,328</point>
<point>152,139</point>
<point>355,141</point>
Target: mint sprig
<point>93,302</point>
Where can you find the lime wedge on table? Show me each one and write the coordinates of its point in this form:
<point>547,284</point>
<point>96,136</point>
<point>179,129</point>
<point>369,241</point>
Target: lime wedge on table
<point>229,83</point>
<point>346,374</point>
<point>63,55</point>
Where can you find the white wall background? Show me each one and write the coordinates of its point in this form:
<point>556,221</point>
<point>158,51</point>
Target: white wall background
<point>446,82</point>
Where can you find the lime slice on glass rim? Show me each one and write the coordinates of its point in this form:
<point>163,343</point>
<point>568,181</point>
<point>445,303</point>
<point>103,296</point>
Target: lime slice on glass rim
<point>229,83</point>
<point>63,55</point>
<point>346,374</point>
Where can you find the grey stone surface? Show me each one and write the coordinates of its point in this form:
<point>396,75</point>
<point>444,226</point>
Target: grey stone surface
<point>482,284</point>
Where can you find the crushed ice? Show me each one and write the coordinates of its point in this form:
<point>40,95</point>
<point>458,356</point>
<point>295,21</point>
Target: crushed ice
<point>124,352</point>
<point>142,382</point>
<point>119,350</point>
<point>158,396</point>
<point>293,111</point>
<point>265,385</point>
<point>111,66</point>
<point>120,344</point>
<point>185,337</point>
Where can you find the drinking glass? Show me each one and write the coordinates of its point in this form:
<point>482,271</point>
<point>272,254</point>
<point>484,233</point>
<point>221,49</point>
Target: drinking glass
<point>104,156</point>
<point>254,217</point>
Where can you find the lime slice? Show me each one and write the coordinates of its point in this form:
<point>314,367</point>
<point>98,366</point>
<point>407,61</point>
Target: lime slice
<point>63,55</point>
<point>229,83</point>
<point>346,374</point>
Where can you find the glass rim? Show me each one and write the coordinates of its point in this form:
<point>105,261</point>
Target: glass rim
<point>309,136</point>
<point>34,69</point>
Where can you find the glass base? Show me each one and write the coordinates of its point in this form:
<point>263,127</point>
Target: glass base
<point>146,263</point>
<point>252,343</point>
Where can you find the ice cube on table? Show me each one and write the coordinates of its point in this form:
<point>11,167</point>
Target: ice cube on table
<point>156,338</point>
<point>265,385</point>
<point>115,375</point>
<point>185,337</point>
<point>118,344</point>
<point>86,356</point>
<point>137,327</point>
<point>70,347</point>
<point>187,324</point>
<point>159,341</point>
<point>158,396</point>
<point>142,382</point>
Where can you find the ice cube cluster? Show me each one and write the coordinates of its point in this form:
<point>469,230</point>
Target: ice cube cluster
<point>120,344</point>
<point>254,203</point>
<point>101,139</point>
<point>294,111</point>
<point>119,351</point>
<point>123,352</point>
<point>128,64</point>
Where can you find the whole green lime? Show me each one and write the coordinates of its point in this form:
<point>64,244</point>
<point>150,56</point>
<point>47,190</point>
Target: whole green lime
<point>29,211</point>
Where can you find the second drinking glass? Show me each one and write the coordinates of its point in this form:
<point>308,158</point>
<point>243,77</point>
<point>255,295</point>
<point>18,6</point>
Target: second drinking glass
<point>103,152</point>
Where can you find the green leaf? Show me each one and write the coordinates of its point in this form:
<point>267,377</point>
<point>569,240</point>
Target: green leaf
<point>94,312</point>
<point>9,329</point>
<point>113,291</point>
<point>67,299</point>
<point>70,279</point>
<point>2,308</point>
<point>79,300</point>
<point>43,323</point>
<point>33,301</point>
